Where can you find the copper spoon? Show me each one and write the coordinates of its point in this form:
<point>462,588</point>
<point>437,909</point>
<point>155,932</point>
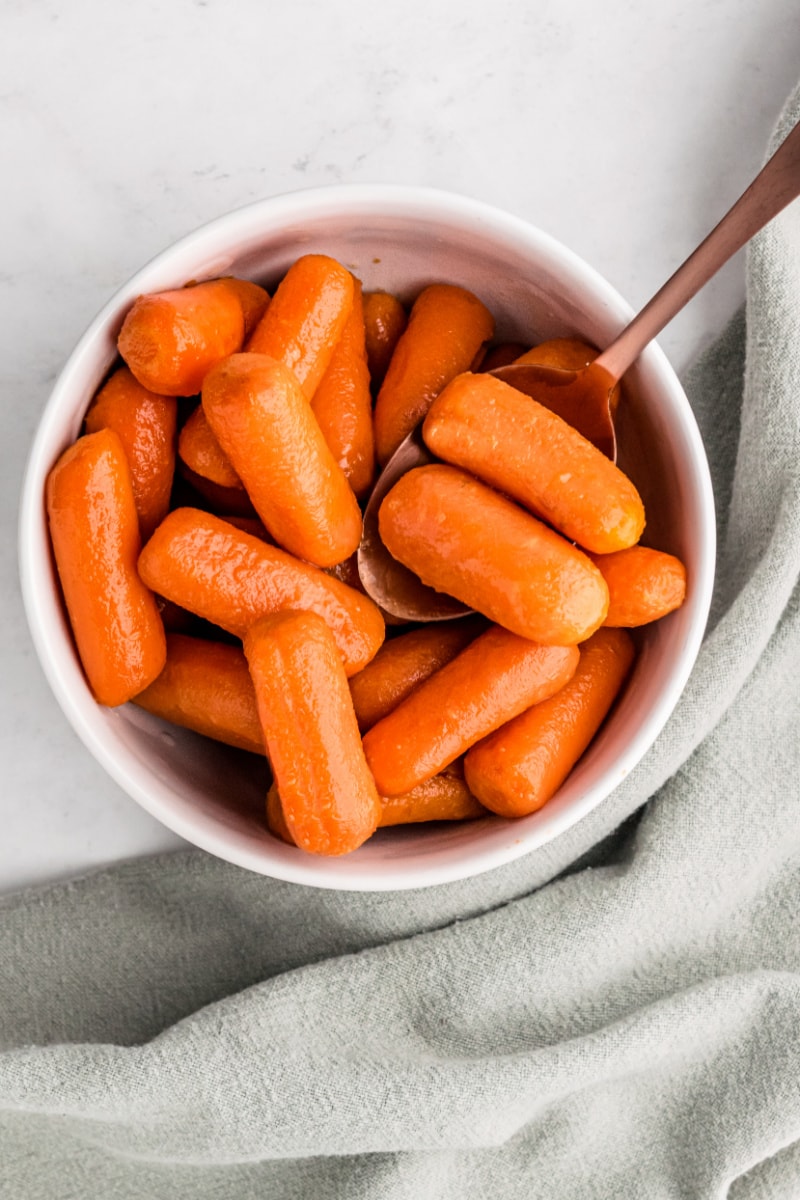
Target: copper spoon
<point>580,397</point>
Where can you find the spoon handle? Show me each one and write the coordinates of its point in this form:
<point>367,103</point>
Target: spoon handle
<point>775,186</point>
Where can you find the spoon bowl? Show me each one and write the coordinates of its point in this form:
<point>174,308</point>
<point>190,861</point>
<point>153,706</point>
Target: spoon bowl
<point>401,595</point>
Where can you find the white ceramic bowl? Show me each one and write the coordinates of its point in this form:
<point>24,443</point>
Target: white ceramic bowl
<point>397,239</point>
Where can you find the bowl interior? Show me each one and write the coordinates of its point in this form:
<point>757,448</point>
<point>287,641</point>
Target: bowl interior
<point>399,240</point>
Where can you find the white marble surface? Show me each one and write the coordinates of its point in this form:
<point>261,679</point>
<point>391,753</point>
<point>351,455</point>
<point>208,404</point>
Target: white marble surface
<point>623,129</point>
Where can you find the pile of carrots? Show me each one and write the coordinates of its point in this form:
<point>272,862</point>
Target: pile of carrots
<point>205,524</point>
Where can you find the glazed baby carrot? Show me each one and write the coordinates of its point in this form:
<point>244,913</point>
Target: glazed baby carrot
<point>327,793</point>
<point>404,662</point>
<point>643,585</point>
<point>199,449</point>
<point>230,578</point>
<point>509,441</point>
<point>384,321</point>
<point>145,424</point>
<point>94,529</point>
<point>497,677</point>
<point>342,403</point>
<point>206,686</point>
<point>253,299</point>
<point>464,539</point>
<point>170,340</point>
<point>305,318</point>
<point>262,420</point>
<point>519,768</point>
<point>569,353</point>
<point>446,329</point>
<point>445,797</point>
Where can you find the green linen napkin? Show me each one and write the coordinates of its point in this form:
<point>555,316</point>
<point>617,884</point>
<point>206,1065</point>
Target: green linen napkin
<point>616,1015</point>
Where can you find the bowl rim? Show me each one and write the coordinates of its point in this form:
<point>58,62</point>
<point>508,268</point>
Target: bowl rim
<point>396,200</point>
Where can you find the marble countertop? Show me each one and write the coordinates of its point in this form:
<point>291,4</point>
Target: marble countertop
<point>623,130</point>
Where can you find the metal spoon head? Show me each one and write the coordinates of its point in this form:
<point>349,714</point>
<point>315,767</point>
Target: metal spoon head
<point>582,398</point>
<point>395,589</point>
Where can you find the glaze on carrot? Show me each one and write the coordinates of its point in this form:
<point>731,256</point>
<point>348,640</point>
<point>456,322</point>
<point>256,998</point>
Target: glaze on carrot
<point>305,318</point>
<point>94,529</point>
<point>404,662</point>
<point>145,424</point>
<point>446,328</point>
<point>342,403</point>
<point>384,320</point>
<point>265,426</point>
<point>446,797</point>
<point>461,537</point>
<point>170,340</point>
<point>521,448</point>
<point>230,578</point>
<point>519,768</point>
<point>200,451</point>
<point>327,792</point>
<point>494,679</point>
<point>206,687</point>
<point>253,299</point>
<point>643,585</point>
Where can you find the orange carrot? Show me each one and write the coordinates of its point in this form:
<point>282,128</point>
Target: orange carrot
<point>568,353</point>
<point>262,420</point>
<point>201,452</point>
<point>643,585</point>
<point>384,320</point>
<point>404,662</point>
<point>327,793</point>
<point>509,441</point>
<point>230,578</point>
<point>145,424</point>
<point>276,821</point>
<point>446,329</point>
<point>519,768</point>
<point>497,677</point>
<point>342,403</point>
<point>306,318</point>
<point>253,299</point>
<point>94,529</point>
<point>206,686</point>
<point>446,797</point>
<point>464,539</point>
<point>170,340</point>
